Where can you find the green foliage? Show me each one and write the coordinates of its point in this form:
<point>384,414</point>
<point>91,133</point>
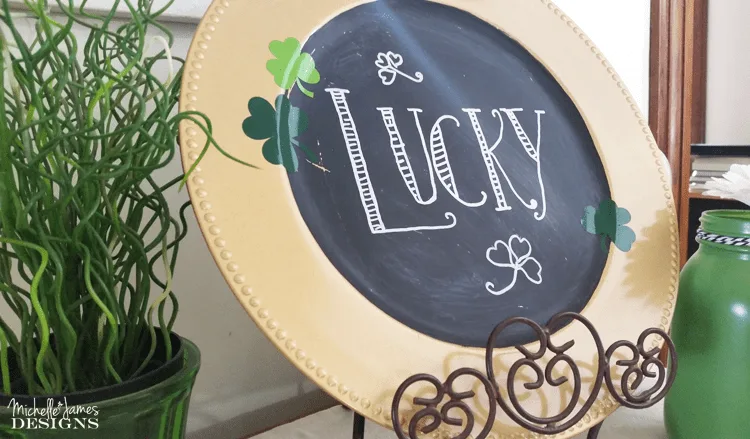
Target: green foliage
<point>280,126</point>
<point>292,66</point>
<point>608,221</point>
<point>85,228</point>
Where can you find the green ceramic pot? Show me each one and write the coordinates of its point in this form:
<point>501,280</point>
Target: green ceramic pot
<point>152,407</point>
<point>710,398</point>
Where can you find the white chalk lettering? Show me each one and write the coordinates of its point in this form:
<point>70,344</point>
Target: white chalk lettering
<point>532,151</point>
<point>402,159</point>
<point>488,156</point>
<point>443,165</point>
<point>361,174</point>
<point>438,161</point>
<point>492,161</point>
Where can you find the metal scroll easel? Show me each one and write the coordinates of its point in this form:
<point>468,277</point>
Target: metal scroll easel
<point>643,363</point>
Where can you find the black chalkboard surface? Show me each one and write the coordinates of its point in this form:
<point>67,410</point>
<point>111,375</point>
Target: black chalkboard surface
<point>456,174</point>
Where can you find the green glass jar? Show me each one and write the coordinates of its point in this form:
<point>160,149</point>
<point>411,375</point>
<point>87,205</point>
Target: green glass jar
<point>157,412</point>
<point>710,398</point>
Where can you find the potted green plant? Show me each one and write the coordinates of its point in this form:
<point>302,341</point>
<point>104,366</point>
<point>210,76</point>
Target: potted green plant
<point>88,242</point>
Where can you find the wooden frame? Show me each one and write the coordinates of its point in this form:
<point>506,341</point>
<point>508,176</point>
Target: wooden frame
<point>677,97</point>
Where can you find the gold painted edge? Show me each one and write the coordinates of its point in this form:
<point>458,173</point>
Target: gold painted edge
<point>602,408</point>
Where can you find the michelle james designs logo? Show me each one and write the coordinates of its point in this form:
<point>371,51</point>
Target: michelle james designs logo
<point>53,416</point>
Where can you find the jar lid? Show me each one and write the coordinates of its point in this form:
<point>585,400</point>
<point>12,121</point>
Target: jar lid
<point>725,223</point>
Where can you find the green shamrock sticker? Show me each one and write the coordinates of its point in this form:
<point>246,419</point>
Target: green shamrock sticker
<point>292,66</point>
<point>608,221</point>
<point>280,126</point>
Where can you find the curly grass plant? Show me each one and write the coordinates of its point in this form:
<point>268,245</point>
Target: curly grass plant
<point>85,228</point>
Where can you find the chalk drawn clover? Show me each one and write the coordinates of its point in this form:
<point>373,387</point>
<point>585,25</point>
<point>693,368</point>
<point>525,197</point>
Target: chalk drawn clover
<point>518,258</point>
<point>388,64</point>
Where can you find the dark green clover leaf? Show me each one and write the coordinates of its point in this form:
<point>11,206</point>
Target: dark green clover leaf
<point>280,126</point>
<point>292,66</point>
<point>608,221</point>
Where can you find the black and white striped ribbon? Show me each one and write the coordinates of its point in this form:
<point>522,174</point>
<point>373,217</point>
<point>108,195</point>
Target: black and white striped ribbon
<point>720,239</point>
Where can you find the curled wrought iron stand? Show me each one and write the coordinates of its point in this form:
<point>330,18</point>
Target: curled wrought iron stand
<point>642,363</point>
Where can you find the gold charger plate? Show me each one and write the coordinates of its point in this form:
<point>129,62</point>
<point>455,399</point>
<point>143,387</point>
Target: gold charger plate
<point>333,278</point>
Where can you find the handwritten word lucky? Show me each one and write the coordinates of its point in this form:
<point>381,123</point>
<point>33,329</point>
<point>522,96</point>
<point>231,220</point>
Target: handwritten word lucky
<point>440,165</point>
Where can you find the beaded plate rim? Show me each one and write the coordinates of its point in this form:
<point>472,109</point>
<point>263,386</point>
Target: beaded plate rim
<point>271,327</point>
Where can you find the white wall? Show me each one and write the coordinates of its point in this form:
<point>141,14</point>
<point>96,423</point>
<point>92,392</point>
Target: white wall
<point>245,384</point>
<point>621,30</point>
<point>184,11</point>
<point>728,80</point>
